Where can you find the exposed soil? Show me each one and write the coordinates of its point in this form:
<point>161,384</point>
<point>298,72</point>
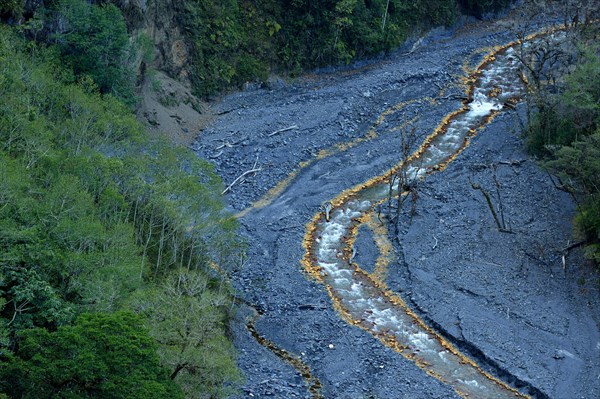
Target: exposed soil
<point>507,299</point>
<point>167,107</point>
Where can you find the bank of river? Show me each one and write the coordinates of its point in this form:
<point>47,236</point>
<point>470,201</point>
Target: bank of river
<point>503,299</point>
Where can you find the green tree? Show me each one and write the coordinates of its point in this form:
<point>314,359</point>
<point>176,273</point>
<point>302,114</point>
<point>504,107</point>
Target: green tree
<point>93,39</point>
<point>479,7</point>
<point>107,356</point>
<point>30,301</point>
<point>582,94</point>
<point>579,164</point>
<point>11,8</point>
<point>92,212</point>
<point>188,319</point>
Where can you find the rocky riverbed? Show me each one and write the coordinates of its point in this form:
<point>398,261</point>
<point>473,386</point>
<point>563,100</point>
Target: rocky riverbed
<point>506,299</point>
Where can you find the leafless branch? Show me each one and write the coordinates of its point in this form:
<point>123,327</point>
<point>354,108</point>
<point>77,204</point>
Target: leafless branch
<point>254,169</point>
<point>285,129</point>
<point>327,209</point>
<point>217,155</point>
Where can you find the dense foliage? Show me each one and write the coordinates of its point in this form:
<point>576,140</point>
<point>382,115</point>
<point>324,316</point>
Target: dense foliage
<point>93,40</point>
<point>100,355</point>
<point>93,215</point>
<point>235,41</point>
<point>570,140</point>
<point>563,124</point>
<point>480,7</point>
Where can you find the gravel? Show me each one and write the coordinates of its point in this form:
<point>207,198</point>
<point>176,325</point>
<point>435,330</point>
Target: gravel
<point>504,298</point>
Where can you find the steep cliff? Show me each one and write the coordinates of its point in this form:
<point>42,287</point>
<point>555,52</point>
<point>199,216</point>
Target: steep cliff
<point>159,20</point>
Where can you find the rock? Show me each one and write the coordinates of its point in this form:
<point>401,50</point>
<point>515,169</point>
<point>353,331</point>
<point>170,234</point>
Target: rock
<point>464,257</point>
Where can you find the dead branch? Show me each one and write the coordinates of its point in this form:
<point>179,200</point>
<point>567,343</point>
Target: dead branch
<point>500,205</point>
<point>577,244</point>
<point>562,186</point>
<point>407,182</point>
<point>517,162</point>
<point>311,306</point>
<point>285,129</point>
<point>538,259</point>
<point>479,166</point>
<point>217,155</point>
<point>327,208</point>
<point>231,145</point>
<point>229,110</point>
<point>488,199</point>
<point>414,196</point>
<point>225,144</point>
<point>352,256</point>
<point>254,169</point>
<point>290,227</point>
<point>512,163</point>
<point>452,97</point>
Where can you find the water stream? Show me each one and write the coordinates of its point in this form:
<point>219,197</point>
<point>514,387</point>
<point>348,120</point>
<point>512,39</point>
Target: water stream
<point>366,302</point>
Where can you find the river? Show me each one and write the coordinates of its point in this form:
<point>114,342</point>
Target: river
<point>325,312</point>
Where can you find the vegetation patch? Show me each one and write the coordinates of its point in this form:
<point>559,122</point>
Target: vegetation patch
<point>96,222</point>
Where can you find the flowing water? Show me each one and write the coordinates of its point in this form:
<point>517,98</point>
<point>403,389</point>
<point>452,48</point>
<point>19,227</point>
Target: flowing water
<point>366,302</point>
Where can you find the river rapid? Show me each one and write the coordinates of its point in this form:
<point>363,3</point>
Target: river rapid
<point>359,297</point>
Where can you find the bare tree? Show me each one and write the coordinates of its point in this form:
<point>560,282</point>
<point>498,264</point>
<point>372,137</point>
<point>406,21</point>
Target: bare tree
<point>498,210</point>
<point>548,57</point>
<point>404,183</point>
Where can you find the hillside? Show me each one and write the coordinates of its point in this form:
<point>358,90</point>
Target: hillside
<point>415,186</point>
<point>106,241</point>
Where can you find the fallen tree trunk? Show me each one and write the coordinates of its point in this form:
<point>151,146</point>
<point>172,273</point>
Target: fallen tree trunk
<point>254,169</point>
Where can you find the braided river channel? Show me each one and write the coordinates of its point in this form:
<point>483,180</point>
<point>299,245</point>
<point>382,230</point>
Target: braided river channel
<point>361,298</point>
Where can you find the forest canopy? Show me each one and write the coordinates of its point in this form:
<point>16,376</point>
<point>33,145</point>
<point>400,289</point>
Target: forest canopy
<point>562,123</point>
<point>235,41</point>
<point>95,214</point>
